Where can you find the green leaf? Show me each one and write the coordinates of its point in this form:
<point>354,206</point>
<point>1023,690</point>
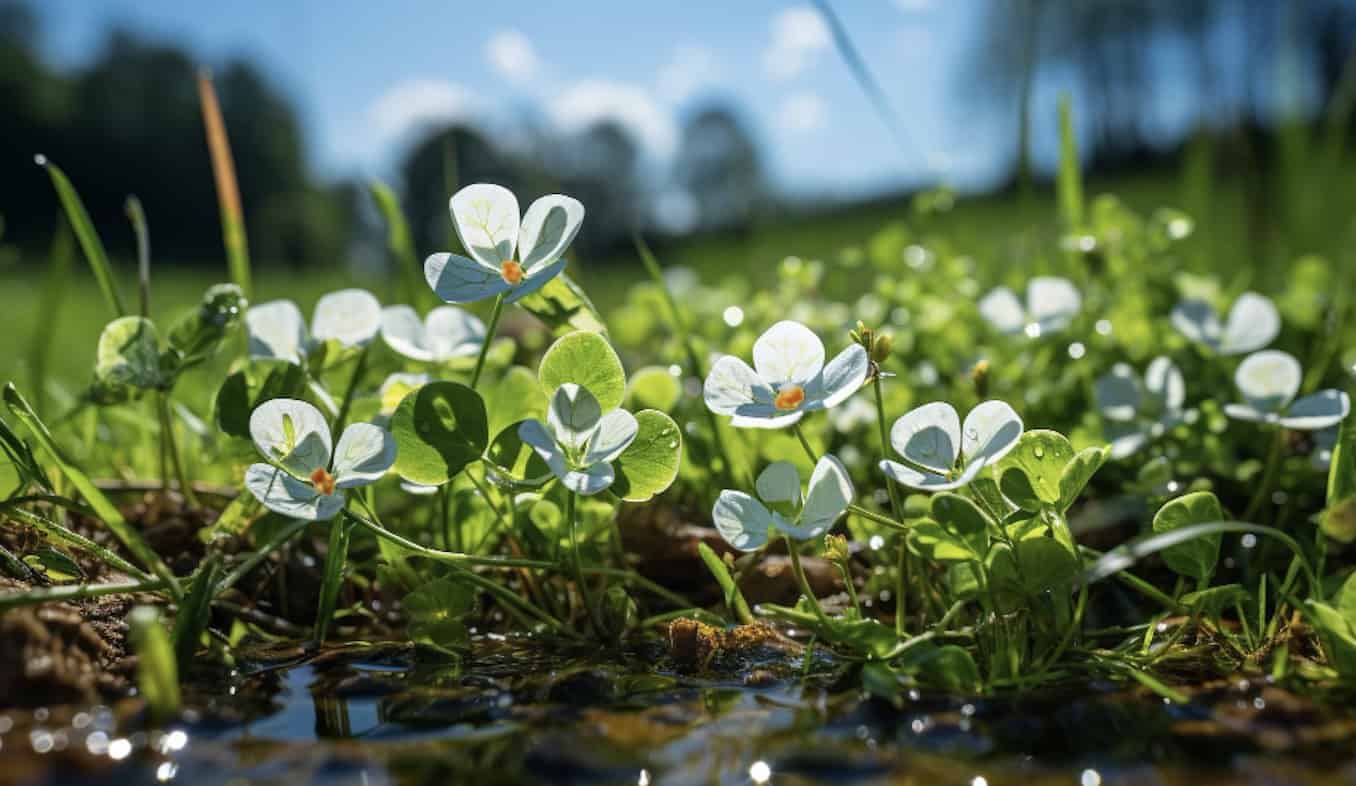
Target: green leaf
<point>102,506</point>
<point>564,307</point>
<point>235,399</point>
<point>949,668</point>
<point>129,354</point>
<point>1196,558</point>
<point>517,396</point>
<point>587,360</point>
<point>1016,486</point>
<point>963,519</point>
<point>85,233</point>
<point>400,245</point>
<point>650,463</point>
<point>196,610</point>
<point>929,540</point>
<point>437,615</point>
<point>157,671</point>
<point>1077,473</point>
<point>198,335</point>
<point>1339,520</point>
<point>653,387</point>
<point>1042,455</point>
<point>1046,564</point>
<point>1338,635</point>
<point>439,429</point>
<point>1213,601</point>
<point>866,636</point>
<point>57,565</point>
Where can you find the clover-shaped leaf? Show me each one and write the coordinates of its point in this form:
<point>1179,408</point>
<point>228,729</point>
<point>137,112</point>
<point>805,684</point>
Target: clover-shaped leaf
<point>1077,473</point>
<point>589,361</point>
<point>649,465</point>
<point>1041,455</point>
<point>439,429</point>
<point>962,518</point>
<point>1195,558</point>
<point>437,615</point>
<point>129,354</point>
<point>653,387</point>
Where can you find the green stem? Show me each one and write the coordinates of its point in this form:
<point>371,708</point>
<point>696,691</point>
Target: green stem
<point>571,515</point>
<point>804,583</point>
<point>60,534</point>
<point>489,338</point>
<point>805,443</point>
<point>260,554</point>
<point>358,370</point>
<point>171,447</point>
<point>1264,488</point>
<point>858,510</point>
<point>334,576</point>
<point>76,591</point>
<point>895,507</point>
<point>851,588</point>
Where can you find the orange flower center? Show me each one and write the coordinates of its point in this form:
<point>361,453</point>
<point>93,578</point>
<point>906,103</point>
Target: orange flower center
<point>789,397</point>
<point>323,482</point>
<point>512,272</point>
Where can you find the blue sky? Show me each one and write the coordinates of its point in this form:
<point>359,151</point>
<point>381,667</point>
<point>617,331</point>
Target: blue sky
<point>366,75</point>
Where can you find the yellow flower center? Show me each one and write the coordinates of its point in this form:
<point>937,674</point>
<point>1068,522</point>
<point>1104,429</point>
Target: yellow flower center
<point>323,482</point>
<point>512,272</point>
<point>789,397</point>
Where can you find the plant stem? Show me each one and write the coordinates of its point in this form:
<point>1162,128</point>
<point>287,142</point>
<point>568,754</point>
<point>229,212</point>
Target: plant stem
<point>334,576</point>
<point>489,338</point>
<point>1268,477</point>
<point>805,443</point>
<point>168,441</point>
<point>804,583</point>
<point>885,446</point>
<point>571,515</point>
<point>358,370</point>
<point>67,537</point>
<point>858,510</point>
<point>76,591</point>
<point>268,547</point>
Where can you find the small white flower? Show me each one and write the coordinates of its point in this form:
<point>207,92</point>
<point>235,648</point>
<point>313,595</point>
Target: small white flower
<point>1139,412</point>
<point>745,522</point>
<point>509,256</point>
<point>1051,304</point>
<point>791,379</point>
<point>1252,323</point>
<point>932,441</point>
<point>578,441</point>
<point>396,387</point>
<point>305,478</point>
<point>277,330</point>
<point>1269,381</point>
<point>445,334</point>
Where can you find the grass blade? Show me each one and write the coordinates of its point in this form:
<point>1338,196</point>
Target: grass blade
<point>54,284</point>
<point>734,599</point>
<point>400,244</point>
<point>157,671</point>
<point>194,612</point>
<point>58,533</point>
<point>85,233</point>
<point>107,511</point>
<point>228,190</point>
<point>138,218</point>
<point>1070,182</point>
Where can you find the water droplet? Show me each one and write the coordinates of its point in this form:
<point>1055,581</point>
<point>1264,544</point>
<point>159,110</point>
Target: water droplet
<point>40,159</point>
<point>1038,452</point>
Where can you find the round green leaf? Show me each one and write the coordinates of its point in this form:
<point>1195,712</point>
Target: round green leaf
<point>927,539</point>
<point>649,465</point>
<point>129,353</point>
<point>1041,455</point>
<point>1195,558</point>
<point>587,360</point>
<point>1078,472</point>
<point>516,396</point>
<point>963,519</point>
<point>438,429</point>
<point>653,387</point>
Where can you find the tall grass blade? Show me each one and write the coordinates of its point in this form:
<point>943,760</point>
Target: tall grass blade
<point>55,281</point>
<point>138,218</point>
<point>157,671</point>
<point>228,190</point>
<point>400,244</point>
<point>101,504</point>
<point>85,233</point>
<point>1069,184</point>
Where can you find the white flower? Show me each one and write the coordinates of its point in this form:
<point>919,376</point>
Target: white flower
<point>744,521</point>
<point>1051,304</point>
<point>854,414</point>
<point>396,387</point>
<point>1139,412</point>
<point>1269,381</point>
<point>508,256</point>
<point>931,440</point>
<point>304,478</point>
<point>578,441</point>
<point>445,334</point>
<point>1325,441</point>
<point>1252,323</point>
<point>791,379</point>
<point>277,330</point>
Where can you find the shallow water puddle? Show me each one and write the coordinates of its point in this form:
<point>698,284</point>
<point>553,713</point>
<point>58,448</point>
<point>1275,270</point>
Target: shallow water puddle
<point>513,713</point>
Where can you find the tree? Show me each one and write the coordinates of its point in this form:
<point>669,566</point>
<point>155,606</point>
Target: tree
<point>719,166</point>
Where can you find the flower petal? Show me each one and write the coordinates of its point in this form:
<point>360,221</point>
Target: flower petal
<point>404,332</point>
<point>788,352</point>
<point>1003,310</point>
<point>1253,322</point>
<point>292,433</point>
<point>991,429</point>
<point>535,281</point>
<point>573,415</point>
<point>742,520</point>
<point>1165,383</point>
<point>929,436</point>
<point>830,494</point>
<point>1125,439</point>
<point>277,331</point>
<point>1268,379</point>
<point>548,229</point>
<point>1321,410</point>
<point>732,385</point>
<point>534,433</point>
<point>454,332</point>
<point>779,482</point>
<point>1117,393</point>
<point>486,217</point>
<point>590,480</point>
<point>282,493</point>
<point>1198,321</point>
<point>614,433</point>
<point>1245,412</point>
<point>350,316</point>
<point>1052,302</point>
<point>456,279</point>
<point>364,453</point>
<point>922,481</point>
<point>767,421</point>
<point>843,376</point>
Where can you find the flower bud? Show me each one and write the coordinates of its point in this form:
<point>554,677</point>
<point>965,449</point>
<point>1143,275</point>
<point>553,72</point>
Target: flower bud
<point>836,548</point>
<point>880,348</point>
<point>979,375</point>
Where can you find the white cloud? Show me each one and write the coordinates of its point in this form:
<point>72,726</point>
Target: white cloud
<point>512,55</point>
<point>416,103</point>
<point>798,35</point>
<point>584,103</point>
<point>802,113</point>
<point>690,69</point>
